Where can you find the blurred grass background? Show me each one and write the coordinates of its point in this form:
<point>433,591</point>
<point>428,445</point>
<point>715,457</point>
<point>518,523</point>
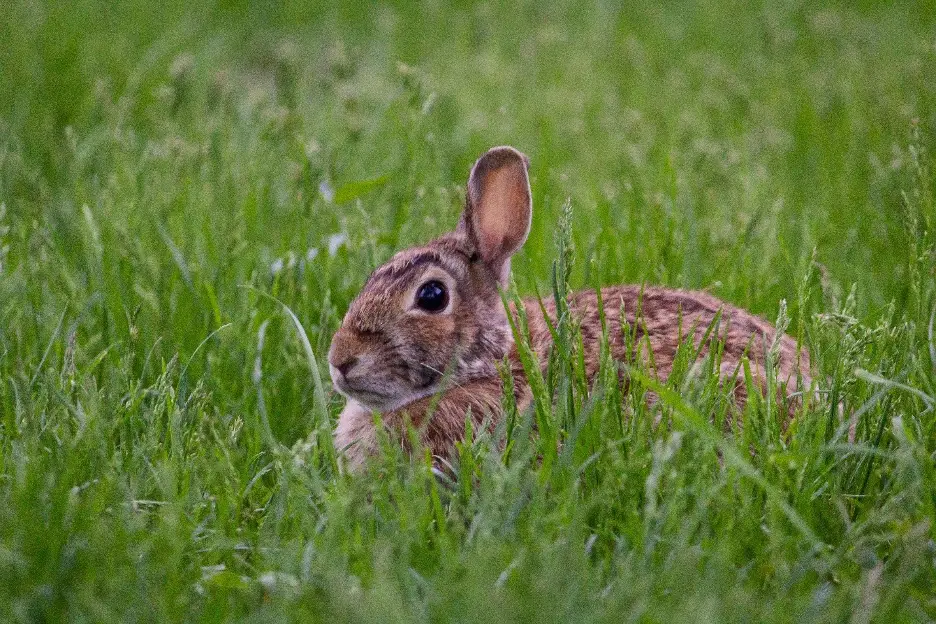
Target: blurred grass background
<point>163,165</point>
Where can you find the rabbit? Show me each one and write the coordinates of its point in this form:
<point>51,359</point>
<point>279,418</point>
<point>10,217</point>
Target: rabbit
<point>423,338</point>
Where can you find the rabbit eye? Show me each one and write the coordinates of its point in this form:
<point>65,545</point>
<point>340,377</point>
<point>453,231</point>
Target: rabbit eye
<point>432,296</point>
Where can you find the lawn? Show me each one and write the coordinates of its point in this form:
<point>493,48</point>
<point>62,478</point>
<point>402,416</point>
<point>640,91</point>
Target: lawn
<point>191,193</point>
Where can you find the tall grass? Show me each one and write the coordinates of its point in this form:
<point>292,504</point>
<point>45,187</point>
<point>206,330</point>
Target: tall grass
<point>191,194</point>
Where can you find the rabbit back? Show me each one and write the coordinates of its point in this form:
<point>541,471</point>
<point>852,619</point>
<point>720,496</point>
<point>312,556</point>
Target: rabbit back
<point>648,325</point>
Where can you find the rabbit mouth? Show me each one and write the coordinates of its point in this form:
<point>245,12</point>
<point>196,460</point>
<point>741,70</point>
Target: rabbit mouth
<point>381,400</point>
<point>368,398</point>
<point>354,391</point>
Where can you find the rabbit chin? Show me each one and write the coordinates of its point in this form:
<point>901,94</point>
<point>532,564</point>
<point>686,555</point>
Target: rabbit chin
<point>383,403</point>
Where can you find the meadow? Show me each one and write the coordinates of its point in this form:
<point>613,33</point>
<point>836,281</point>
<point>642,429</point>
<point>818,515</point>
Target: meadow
<point>191,193</point>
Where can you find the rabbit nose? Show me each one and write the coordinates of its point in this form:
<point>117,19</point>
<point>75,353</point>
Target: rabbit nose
<point>347,365</point>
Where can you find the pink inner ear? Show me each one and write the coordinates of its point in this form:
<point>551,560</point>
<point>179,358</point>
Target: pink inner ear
<point>502,212</point>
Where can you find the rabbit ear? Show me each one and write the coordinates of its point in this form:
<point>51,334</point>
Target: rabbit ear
<point>499,209</point>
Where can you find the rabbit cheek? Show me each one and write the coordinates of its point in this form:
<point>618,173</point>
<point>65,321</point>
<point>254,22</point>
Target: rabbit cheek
<point>432,355</point>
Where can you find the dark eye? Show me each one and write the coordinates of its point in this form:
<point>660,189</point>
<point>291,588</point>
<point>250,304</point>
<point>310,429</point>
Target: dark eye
<point>432,296</point>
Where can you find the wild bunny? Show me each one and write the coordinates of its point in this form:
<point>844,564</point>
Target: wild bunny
<point>432,320</point>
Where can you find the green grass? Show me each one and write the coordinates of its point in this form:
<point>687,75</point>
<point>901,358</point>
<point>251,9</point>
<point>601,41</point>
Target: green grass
<point>164,174</point>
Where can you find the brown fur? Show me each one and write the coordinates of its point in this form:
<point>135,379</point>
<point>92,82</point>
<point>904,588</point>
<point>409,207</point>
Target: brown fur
<point>741,334</point>
<point>392,357</point>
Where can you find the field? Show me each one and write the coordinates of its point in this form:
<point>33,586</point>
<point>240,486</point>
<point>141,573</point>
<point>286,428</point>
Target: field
<point>177,180</point>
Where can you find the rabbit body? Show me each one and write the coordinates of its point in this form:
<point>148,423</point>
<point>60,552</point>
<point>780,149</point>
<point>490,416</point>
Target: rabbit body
<point>662,312</point>
<point>424,336</point>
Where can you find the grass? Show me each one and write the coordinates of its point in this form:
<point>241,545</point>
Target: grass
<point>191,194</point>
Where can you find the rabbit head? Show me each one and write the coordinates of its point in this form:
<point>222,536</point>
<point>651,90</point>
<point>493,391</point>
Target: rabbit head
<point>434,312</point>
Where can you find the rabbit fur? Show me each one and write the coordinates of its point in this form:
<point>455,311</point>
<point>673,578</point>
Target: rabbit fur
<point>434,367</point>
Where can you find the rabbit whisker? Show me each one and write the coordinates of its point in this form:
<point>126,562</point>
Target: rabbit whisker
<point>440,373</point>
